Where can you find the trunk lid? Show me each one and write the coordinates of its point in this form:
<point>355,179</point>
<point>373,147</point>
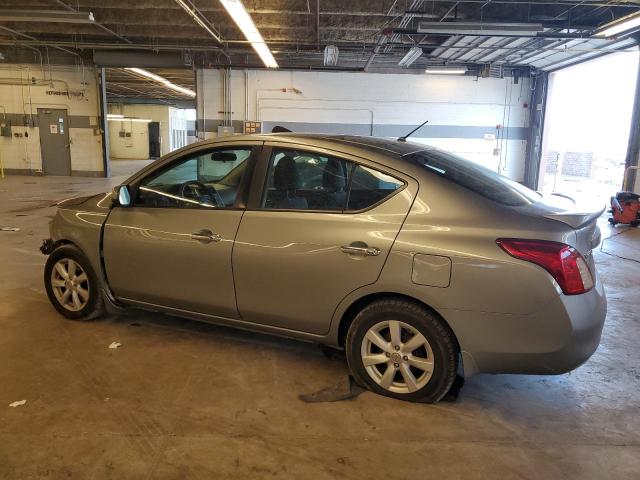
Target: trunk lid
<point>579,214</point>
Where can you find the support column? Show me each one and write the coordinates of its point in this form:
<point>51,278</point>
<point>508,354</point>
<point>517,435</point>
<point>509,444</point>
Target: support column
<point>537,106</point>
<point>633,149</point>
<point>104,125</point>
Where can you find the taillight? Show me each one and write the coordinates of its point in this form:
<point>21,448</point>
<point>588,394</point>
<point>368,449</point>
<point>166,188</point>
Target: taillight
<point>563,262</point>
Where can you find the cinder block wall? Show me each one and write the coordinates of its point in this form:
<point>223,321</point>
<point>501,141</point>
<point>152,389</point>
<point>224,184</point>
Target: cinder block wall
<point>463,112</point>
<point>24,89</point>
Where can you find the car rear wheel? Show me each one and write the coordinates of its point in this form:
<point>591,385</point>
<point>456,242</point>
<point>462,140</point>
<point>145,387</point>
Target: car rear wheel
<point>399,348</point>
<point>72,285</point>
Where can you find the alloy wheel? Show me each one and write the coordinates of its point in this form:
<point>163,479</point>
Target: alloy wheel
<point>397,356</point>
<point>70,284</point>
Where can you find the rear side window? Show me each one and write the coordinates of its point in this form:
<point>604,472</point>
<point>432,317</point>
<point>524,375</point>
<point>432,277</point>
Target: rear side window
<point>474,177</point>
<point>306,181</point>
<point>369,186</point>
<point>299,180</point>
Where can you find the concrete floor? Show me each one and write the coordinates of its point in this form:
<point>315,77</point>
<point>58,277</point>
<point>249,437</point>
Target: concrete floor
<point>182,400</point>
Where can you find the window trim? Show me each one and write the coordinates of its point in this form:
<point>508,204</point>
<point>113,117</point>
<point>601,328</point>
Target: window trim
<point>259,182</point>
<point>240,201</point>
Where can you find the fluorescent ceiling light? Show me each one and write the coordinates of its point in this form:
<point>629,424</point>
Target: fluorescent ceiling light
<point>473,28</point>
<point>412,55</point>
<point>162,80</point>
<point>127,119</point>
<point>114,115</point>
<point>49,16</point>
<point>446,71</point>
<point>193,13</point>
<point>622,25</point>
<point>331,55</point>
<point>243,20</point>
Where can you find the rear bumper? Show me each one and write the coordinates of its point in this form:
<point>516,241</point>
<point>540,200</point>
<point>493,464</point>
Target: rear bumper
<point>557,339</point>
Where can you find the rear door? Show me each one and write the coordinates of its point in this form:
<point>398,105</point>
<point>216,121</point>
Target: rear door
<point>320,226</point>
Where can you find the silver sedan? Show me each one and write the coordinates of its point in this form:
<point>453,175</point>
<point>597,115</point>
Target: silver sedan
<point>420,264</point>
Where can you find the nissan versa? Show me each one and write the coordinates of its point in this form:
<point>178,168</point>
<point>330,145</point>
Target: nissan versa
<point>419,263</point>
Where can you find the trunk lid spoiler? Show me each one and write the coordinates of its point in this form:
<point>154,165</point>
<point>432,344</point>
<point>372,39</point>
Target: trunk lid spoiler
<point>575,213</point>
<point>576,219</point>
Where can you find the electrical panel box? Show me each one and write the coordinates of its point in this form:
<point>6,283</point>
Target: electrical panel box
<point>5,128</point>
<point>252,127</point>
<point>224,130</point>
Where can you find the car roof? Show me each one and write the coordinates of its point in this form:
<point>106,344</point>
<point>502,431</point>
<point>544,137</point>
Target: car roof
<point>385,146</point>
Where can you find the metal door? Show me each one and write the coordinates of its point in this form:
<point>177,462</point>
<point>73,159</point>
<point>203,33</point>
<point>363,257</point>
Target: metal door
<point>54,141</point>
<point>154,139</point>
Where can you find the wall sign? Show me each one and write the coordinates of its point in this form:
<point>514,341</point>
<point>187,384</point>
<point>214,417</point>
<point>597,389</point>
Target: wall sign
<point>53,128</point>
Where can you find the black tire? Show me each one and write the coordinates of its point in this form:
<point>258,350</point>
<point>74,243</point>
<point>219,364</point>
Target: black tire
<point>438,335</point>
<point>94,306</point>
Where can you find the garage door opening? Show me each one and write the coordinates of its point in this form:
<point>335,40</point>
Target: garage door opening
<point>586,133</point>
<point>151,112</point>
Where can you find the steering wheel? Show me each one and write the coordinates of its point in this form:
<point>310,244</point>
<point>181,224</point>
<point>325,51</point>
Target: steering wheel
<point>196,190</point>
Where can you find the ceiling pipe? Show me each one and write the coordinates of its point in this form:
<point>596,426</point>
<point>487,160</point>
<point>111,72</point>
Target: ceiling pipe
<point>97,24</point>
<point>404,31</point>
<point>545,2</point>
<point>44,44</point>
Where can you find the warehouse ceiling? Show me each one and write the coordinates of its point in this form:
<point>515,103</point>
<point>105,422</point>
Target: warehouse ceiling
<point>371,35</point>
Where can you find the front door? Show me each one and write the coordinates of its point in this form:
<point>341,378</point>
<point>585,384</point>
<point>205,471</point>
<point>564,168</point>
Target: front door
<point>172,248</point>
<point>323,228</point>
<point>54,141</point>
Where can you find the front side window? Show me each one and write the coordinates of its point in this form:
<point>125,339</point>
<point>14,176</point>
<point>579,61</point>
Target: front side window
<point>306,181</point>
<point>210,180</point>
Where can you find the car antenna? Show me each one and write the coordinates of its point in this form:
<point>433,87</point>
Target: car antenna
<point>279,129</point>
<point>404,139</point>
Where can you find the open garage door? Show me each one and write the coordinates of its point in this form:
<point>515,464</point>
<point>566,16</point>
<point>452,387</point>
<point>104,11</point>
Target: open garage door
<point>151,112</point>
<point>587,124</point>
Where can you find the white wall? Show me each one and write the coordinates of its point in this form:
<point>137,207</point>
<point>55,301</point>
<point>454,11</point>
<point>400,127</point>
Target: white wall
<point>136,146</point>
<point>460,110</point>
<point>20,98</point>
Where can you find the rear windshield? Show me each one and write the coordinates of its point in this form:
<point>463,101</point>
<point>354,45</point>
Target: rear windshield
<point>475,177</point>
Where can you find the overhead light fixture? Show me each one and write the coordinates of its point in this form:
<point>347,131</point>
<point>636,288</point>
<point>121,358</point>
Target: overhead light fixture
<point>446,71</point>
<point>243,20</point>
<point>484,29</point>
<point>130,119</point>
<point>622,25</point>
<point>331,55</point>
<point>114,115</point>
<point>412,55</point>
<point>49,16</point>
<point>193,12</point>
<point>162,80</point>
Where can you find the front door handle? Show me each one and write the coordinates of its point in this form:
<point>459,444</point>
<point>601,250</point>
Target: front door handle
<point>357,248</point>
<point>206,236</point>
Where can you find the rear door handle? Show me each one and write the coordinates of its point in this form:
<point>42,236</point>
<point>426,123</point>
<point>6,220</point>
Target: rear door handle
<point>206,236</point>
<point>357,250</point>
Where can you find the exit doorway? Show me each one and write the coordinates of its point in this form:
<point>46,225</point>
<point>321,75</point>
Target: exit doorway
<point>587,125</point>
<point>54,141</point>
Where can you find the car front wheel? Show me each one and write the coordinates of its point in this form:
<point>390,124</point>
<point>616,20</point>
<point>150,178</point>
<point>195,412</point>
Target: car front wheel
<point>72,285</point>
<point>401,349</point>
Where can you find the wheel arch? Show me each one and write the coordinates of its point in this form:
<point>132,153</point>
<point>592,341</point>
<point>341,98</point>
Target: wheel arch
<point>357,305</point>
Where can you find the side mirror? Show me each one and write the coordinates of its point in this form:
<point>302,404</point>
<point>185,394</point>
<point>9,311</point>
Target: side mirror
<point>121,196</point>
